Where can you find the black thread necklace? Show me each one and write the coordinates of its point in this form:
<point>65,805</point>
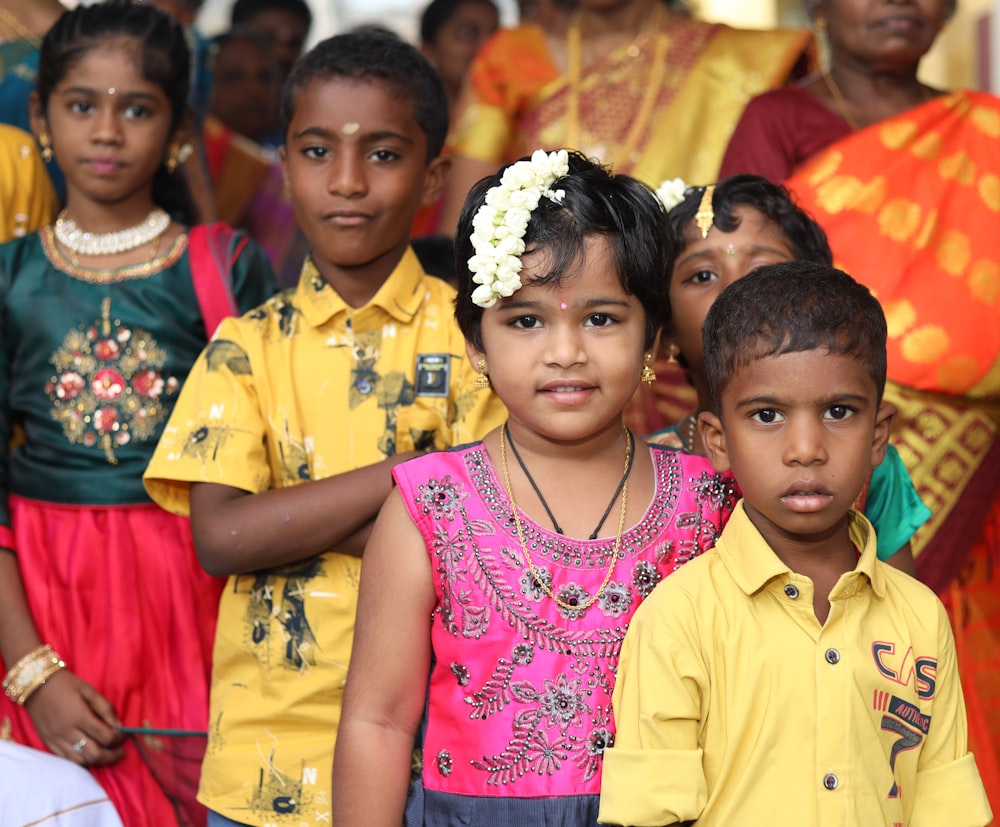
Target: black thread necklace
<point>545,505</point>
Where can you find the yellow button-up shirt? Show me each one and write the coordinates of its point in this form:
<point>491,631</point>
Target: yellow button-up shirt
<point>302,388</point>
<point>734,706</point>
<point>27,200</point>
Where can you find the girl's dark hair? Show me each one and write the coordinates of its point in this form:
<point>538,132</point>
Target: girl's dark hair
<point>791,307</point>
<point>163,55</point>
<point>618,208</point>
<point>374,57</point>
<point>439,12</point>
<point>805,237</point>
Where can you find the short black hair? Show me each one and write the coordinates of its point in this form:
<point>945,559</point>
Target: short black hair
<point>596,203</point>
<point>244,10</point>
<point>374,57</point>
<point>787,308</point>
<point>805,237</point>
<point>439,12</point>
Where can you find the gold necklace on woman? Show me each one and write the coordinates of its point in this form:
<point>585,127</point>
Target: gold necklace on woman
<point>574,57</point>
<point>562,604</point>
<point>841,103</point>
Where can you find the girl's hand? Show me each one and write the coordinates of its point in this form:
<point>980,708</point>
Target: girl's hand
<point>67,711</point>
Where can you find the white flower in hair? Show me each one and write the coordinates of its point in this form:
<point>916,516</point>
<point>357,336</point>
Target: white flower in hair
<point>671,192</point>
<point>499,225</point>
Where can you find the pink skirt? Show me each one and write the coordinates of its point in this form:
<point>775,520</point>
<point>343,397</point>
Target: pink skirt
<point>118,592</point>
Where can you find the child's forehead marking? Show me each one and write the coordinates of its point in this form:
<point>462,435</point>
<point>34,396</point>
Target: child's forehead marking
<point>350,127</point>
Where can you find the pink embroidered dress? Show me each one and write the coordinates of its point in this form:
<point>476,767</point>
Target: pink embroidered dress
<point>519,698</point>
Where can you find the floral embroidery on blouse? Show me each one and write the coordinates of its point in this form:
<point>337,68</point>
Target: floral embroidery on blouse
<point>108,384</point>
<point>543,702</point>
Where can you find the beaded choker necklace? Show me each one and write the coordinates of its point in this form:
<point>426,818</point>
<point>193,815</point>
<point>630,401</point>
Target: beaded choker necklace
<point>108,244</point>
<point>622,486</point>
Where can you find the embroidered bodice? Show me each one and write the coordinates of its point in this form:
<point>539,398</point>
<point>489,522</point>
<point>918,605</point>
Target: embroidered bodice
<point>520,690</point>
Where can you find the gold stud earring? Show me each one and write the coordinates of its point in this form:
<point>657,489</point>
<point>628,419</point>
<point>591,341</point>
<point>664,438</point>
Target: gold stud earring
<point>673,351</point>
<point>648,376</point>
<point>482,382</point>
<point>46,145</point>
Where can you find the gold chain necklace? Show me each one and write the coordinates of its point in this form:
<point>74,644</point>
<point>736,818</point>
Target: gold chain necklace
<point>841,103</point>
<point>574,49</point>
<point>520,532</point>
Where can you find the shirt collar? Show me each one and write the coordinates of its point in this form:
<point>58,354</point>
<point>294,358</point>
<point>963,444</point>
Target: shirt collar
<point>752,562</point>
<point>399,296</point>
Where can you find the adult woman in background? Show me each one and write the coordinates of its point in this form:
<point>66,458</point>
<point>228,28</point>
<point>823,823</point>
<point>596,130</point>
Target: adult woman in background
<point>638,84</point>
<point>905,179</point>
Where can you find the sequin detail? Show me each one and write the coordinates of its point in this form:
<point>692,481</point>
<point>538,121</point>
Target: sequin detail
<point>535,686</point>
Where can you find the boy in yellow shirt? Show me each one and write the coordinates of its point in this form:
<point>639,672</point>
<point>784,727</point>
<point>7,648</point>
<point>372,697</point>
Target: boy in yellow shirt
<point>789,677</point>
<point>282,441</point>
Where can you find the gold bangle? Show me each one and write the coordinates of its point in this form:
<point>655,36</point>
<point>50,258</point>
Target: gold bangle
<point>31,672</point>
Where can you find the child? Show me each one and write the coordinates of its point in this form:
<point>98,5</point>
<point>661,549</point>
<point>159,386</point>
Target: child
<point>451,32</point>
<point>748,222</point>
<point>281,446</point>
<point>789,677</point>
<point>107,617</point>
<point>502,568</point>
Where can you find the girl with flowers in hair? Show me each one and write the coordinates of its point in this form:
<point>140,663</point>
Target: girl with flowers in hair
<point>507,570</point>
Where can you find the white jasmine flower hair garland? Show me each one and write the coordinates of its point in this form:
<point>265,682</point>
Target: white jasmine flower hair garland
<point>500,223</point>
<point>671,192</point>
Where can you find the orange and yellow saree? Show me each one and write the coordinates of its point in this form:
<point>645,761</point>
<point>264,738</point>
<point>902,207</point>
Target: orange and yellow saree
<point>911,206</point>
<point>660,107</point>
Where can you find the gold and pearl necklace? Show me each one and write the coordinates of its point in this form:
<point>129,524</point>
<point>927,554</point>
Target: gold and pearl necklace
<point>81,242</point>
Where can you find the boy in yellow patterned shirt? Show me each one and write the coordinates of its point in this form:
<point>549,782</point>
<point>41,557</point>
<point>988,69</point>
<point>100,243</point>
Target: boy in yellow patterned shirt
<point>282,441</point>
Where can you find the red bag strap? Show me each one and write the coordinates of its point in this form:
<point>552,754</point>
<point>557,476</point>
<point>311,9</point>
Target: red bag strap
<point>212,251</point>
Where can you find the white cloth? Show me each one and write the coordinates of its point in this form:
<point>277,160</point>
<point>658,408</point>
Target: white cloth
<point>38,788</point>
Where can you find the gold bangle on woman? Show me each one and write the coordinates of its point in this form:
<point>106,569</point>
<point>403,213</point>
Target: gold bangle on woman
<point>31,672</point>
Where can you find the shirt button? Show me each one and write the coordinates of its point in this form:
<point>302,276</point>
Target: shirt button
<point>791,592</point>
<point>832,657</point>
<point>830,781</point>
<point>364,386</point>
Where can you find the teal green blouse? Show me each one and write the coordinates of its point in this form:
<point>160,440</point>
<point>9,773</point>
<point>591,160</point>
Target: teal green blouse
<point>91,364</point>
